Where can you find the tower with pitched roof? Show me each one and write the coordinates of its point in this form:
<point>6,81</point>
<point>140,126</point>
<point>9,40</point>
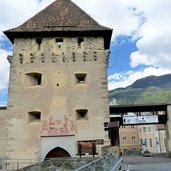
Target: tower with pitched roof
<point>58,97</point>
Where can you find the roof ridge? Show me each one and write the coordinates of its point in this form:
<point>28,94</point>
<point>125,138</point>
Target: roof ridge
<point>61,16</point>
<point>29,25</point>
<point>85,13</point>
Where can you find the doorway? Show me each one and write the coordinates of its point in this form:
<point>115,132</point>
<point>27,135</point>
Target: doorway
<point>57,152</point>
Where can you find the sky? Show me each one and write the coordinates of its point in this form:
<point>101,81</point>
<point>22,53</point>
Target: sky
<point>140,44</point>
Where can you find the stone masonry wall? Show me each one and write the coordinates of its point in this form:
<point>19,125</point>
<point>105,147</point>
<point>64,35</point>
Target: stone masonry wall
<point>3,131</point>
<point>56,96</point>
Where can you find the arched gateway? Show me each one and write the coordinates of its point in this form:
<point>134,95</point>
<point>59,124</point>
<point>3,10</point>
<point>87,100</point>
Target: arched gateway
<point>57,152</point>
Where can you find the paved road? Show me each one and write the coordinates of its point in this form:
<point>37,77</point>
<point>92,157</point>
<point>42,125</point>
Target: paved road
<point>148,163</point>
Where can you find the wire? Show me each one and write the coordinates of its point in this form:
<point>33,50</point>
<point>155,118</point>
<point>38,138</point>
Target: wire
<point>116,54</point>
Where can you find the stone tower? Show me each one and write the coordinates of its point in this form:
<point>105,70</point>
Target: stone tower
<point>58,100</point>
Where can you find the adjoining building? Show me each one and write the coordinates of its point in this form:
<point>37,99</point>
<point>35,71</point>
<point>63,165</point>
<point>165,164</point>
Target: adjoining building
<point>58,96</point>
<point>142,127</point>
<point>153,138</point>
<point>129,139</point>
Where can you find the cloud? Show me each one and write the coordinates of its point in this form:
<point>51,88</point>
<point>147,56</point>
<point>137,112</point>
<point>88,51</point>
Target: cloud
<point>4,69</point>
<point>147,22</point>
<point>119,80</point>
<point>114,14</point>
<point>118,15</point>
<point>15,12</point>
<point>153,40</point>
<point>154,45</point>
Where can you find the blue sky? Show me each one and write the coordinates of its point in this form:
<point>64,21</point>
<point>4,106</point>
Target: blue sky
<point>140,44</point>
<point>120,52</point>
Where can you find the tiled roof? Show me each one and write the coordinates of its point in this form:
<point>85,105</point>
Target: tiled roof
<point>60,16</point>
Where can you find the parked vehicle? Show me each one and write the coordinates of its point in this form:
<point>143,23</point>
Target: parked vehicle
<point>147,154</point>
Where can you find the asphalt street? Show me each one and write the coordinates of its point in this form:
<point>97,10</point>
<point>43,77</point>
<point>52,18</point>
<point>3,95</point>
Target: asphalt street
<point>148,163</point>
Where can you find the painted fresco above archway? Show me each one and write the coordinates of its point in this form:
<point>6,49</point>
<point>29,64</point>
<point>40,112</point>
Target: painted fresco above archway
<point>55,127</point>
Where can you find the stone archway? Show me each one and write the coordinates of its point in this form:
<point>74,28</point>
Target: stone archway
<point>57,152</point>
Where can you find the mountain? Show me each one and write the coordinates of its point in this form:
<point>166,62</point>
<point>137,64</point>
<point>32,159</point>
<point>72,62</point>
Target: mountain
<point>151,89</point>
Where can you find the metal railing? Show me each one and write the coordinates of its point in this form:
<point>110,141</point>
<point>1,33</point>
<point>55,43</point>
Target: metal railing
<point>105,163</point>
<point>118,163</point>
<point>108,162</point>
<point>13,164</point>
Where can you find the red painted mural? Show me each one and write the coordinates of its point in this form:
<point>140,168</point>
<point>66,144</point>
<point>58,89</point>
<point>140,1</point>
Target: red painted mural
<point>55,127</point>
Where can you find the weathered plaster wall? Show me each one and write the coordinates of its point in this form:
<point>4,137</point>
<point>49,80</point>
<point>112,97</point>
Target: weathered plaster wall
<point>58,96</point>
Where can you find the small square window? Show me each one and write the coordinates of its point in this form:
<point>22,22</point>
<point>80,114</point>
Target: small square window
<point>82,114</point>
<point>80,40</point>
<point>39,42</point>
<point>33,79</point>
<point>34,116</point>
<point>80,78</point>
<point>59,42</point>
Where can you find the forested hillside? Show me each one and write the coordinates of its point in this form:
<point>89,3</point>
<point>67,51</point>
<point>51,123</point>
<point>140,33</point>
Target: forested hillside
<point>152,89</point>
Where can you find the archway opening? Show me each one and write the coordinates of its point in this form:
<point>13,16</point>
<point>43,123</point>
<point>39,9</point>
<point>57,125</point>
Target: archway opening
<point>57,152</point>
